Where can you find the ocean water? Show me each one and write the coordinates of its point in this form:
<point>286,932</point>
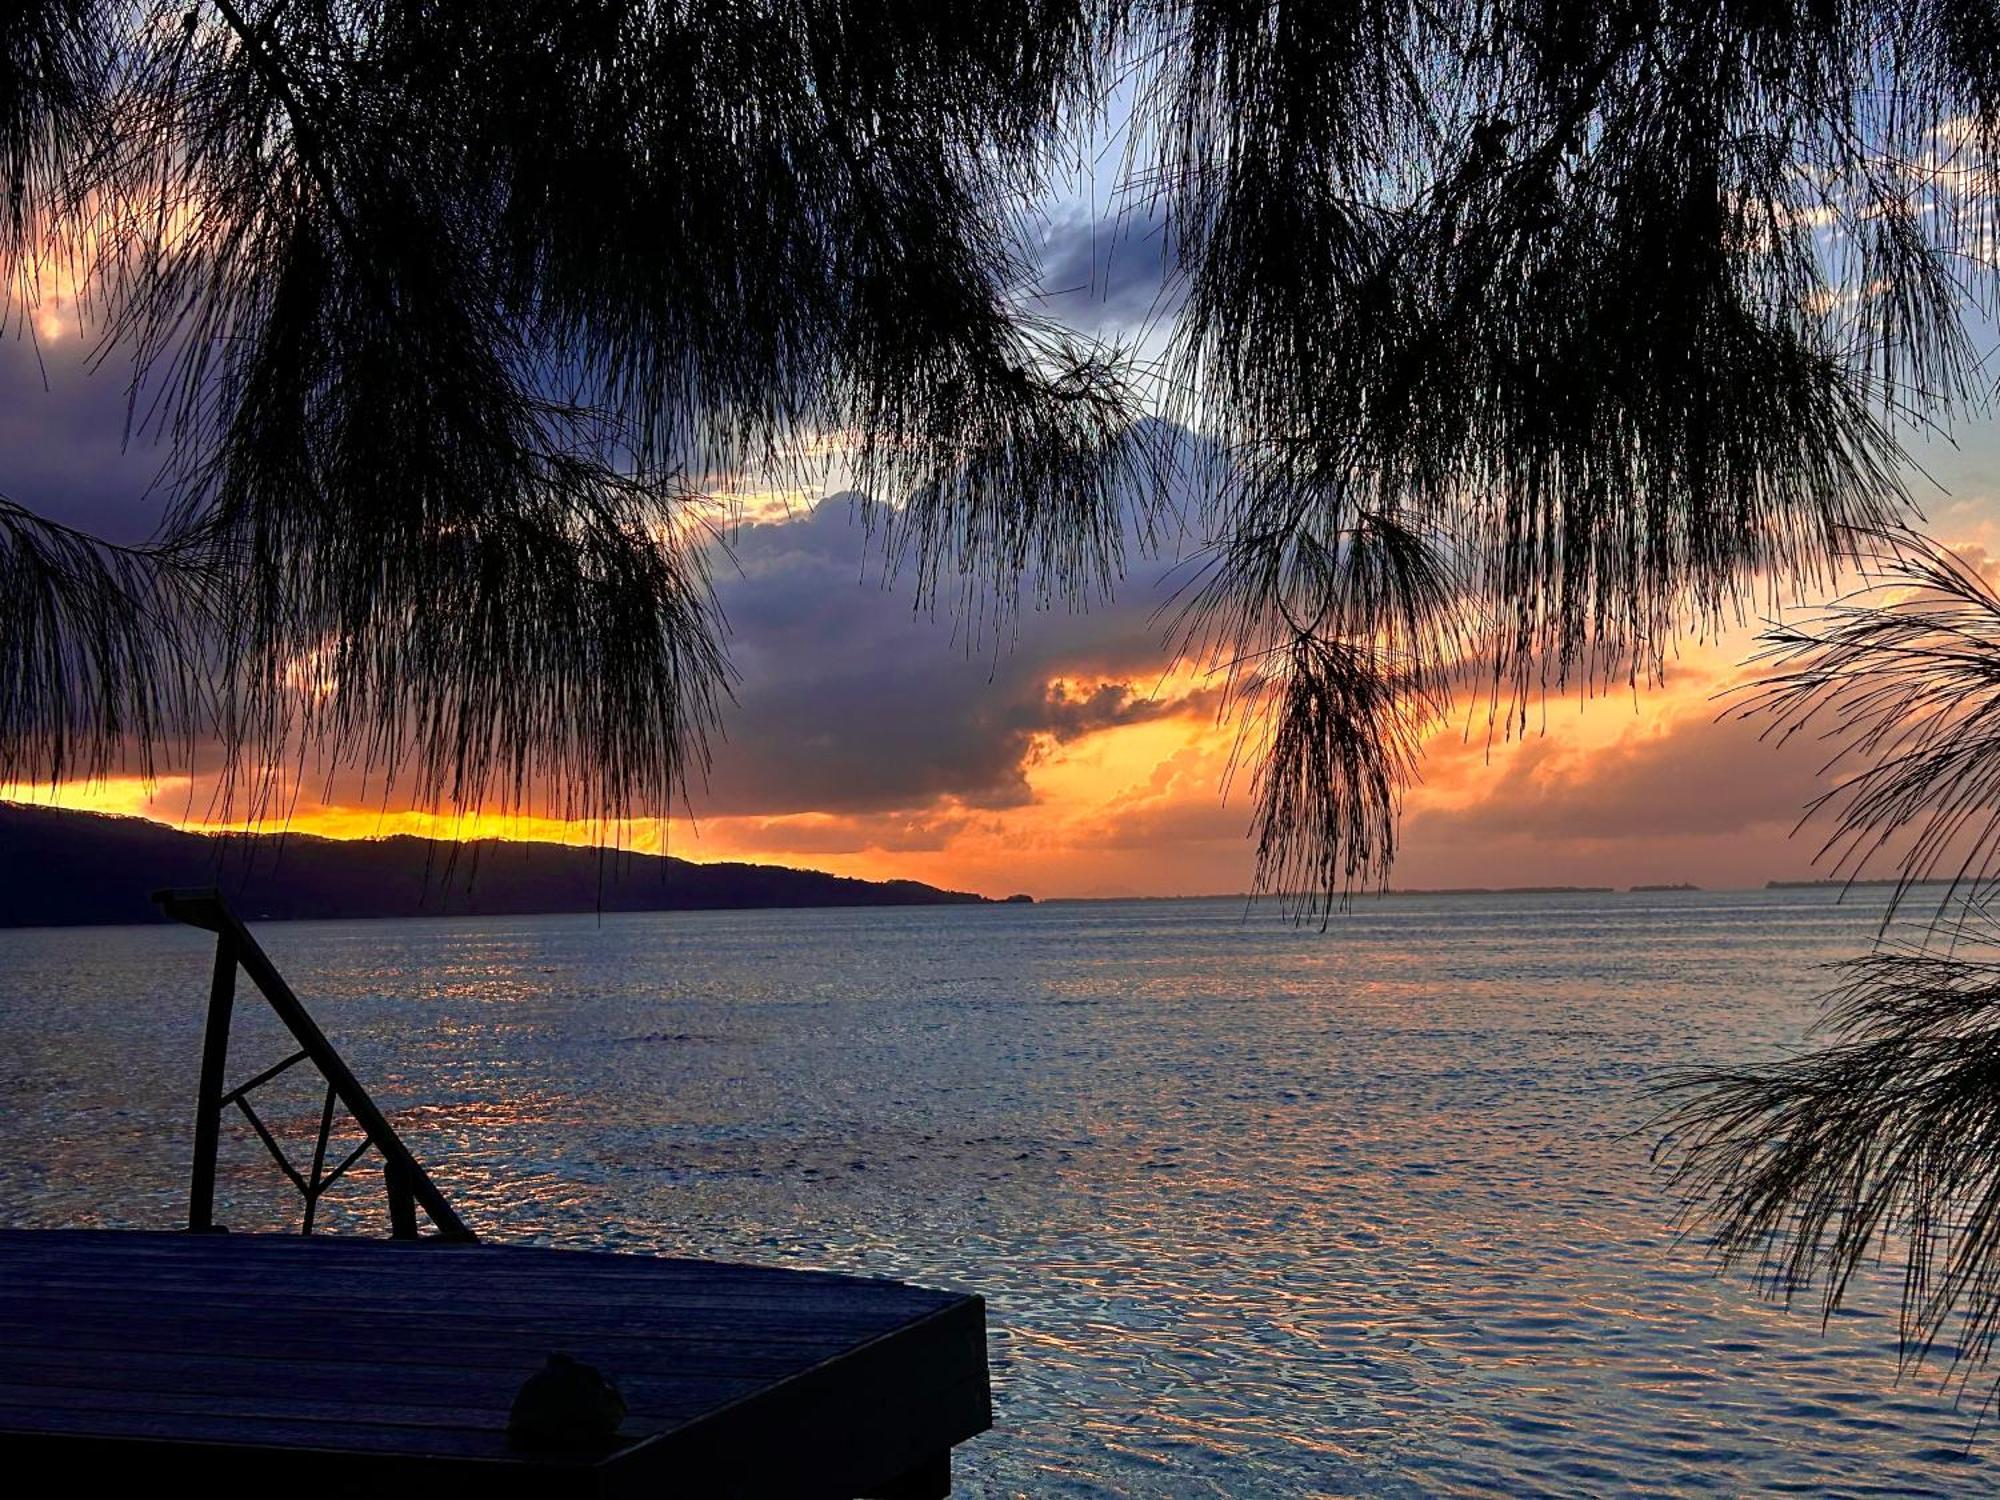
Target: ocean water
<point>1257,1211</point>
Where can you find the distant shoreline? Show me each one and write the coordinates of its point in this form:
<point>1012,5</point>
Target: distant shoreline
<point>1675,888</point>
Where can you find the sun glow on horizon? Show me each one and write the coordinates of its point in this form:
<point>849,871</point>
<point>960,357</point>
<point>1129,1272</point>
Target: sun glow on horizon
<point>1137,806</point>
<point>1134,785</point>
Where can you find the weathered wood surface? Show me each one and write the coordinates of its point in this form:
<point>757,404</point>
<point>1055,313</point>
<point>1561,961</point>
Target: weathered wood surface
<point>318,1366</point>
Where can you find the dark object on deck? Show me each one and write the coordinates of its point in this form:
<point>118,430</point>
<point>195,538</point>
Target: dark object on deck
<point>408,1184</point>
<point>335,1366</point>
<point>565,1405</point>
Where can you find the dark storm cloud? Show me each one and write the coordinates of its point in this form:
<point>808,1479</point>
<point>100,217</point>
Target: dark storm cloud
<point>62,450</point>
<point>1106,275</point>
<point>849,701</point>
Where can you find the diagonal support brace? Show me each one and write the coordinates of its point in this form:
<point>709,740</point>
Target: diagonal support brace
<point>409,1186</point>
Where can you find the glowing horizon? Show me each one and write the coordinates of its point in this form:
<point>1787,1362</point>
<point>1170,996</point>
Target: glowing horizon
<point>1138,808</point>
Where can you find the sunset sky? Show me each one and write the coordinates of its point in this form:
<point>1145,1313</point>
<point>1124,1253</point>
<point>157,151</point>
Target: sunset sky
<point>869,739</point>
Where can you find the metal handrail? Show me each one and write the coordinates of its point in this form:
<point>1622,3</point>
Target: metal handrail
<point>408,1185</point>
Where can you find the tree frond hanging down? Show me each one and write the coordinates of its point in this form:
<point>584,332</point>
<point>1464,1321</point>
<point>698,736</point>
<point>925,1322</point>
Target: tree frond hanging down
<point>1882,1146</point>
<point>1901,680</point>
<point>102,651</point>
<point>1623,303</point>
<point>446,311</point>
<point>1885,1143</point>
<point>1342,744</point>
<point>1616,311</point>
<point>54,71</point>
<point>1553,280</point>
<point>1337,652</point>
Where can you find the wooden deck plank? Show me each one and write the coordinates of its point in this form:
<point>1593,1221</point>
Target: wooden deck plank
<point>225,1381</point>
<point>329,1363</point>
<point>856,1296</point>
<point>816,1309</point>
<point>386,1411</point>
<point>348,1250</point>
<point>388,1345</point>
<point>430,1265</point>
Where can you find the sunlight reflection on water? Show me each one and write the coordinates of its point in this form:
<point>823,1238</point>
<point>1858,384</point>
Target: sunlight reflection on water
<point>1256,1211</point>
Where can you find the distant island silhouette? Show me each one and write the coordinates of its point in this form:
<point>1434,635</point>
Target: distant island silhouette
<point>65,868</point>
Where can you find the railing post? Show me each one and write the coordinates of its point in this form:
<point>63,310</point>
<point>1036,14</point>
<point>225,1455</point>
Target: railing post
<point>402,1202</point>
<point>409,1185</point>
<point>208,1097</point>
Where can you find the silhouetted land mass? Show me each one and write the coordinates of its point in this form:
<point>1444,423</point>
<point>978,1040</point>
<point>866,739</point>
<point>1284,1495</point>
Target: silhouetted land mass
<point>61,868</point>
<point>1678,885</point>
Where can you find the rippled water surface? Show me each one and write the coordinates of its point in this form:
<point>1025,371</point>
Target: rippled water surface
<point>1257,1211</point>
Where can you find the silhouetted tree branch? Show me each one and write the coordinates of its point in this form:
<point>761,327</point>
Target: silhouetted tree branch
<point>1607,314</point>
<point>1885,1143</point>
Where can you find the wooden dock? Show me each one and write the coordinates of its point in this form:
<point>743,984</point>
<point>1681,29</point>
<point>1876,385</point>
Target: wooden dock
<point>313,1366</point>
<point>309,1365</point>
